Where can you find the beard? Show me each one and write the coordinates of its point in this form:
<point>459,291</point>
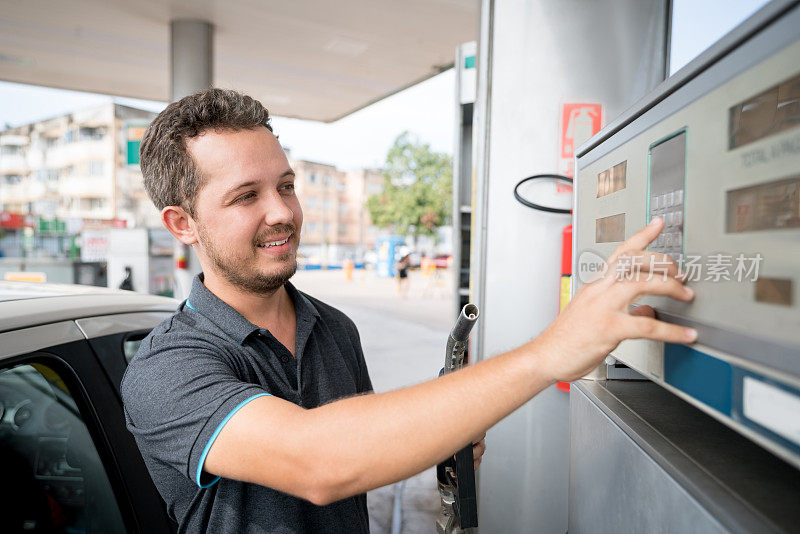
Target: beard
<point>242,272</point>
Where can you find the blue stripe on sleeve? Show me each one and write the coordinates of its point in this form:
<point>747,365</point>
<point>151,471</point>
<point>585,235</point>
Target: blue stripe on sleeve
<point>214,437</point>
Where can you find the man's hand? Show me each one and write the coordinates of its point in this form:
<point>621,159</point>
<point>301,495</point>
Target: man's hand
<point>478,448</point>
<point>598,317</point>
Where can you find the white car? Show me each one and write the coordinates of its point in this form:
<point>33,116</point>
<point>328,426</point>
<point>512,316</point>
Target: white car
<point>68,462</point>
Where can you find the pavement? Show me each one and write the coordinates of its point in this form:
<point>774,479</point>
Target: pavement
<point>404,342</point>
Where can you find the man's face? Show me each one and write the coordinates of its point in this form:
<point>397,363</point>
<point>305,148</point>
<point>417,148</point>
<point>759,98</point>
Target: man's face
<point>247,215</point>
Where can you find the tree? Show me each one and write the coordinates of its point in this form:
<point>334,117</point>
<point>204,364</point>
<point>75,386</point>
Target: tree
<point>418,190</point>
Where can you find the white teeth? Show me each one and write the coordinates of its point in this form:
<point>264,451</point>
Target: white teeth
<point>274,243</point>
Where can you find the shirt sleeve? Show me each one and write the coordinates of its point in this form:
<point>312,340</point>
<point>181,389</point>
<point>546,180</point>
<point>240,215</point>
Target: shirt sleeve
<point>177,400</point>
<point>365,383</point>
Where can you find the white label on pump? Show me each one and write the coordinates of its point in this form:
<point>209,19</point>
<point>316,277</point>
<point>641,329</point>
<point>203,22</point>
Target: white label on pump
<point>772,408</point>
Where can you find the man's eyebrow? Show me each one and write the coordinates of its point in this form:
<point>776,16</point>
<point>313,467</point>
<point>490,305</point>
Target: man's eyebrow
<point>250,183</point>
<point>240,186</point>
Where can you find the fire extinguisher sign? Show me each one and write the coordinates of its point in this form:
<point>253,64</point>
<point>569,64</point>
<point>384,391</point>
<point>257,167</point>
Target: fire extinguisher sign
<point>578,123</point>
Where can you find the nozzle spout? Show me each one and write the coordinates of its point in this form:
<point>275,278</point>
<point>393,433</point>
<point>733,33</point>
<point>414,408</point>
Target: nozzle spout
<point>466,320</point>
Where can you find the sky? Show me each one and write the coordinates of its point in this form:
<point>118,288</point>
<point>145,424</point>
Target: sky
<point>697,24</point>
<point>363,138</point>
<point>356,141</point>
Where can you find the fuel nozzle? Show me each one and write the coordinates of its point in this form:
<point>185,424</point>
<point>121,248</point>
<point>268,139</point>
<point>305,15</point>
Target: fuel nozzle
<point>459,337</point>
<point>456,475</point>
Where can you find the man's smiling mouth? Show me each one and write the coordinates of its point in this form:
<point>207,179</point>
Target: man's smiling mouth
<point>273,243</point>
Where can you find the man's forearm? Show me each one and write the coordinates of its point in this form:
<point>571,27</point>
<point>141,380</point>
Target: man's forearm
<point>356,444</point>
<point>406,431</point>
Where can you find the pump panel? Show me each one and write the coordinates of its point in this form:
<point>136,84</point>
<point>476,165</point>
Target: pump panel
<point>715,152</point>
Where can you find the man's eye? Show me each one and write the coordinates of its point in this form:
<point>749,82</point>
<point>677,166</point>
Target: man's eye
<point>244,197</point>
<point>288,187</point>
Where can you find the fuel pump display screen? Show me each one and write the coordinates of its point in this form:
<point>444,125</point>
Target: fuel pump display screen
<point>770,112</point>
<point>612,180</point>
<point>666,186</point>
<point>770,206</point>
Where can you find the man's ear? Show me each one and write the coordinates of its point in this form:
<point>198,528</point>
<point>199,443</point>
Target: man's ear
<point>179,223</point>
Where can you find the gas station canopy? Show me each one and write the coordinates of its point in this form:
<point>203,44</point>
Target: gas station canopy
<point>310,59</point>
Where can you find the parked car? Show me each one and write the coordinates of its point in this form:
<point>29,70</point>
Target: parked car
<point>442,261</point>
<point>68,462</point>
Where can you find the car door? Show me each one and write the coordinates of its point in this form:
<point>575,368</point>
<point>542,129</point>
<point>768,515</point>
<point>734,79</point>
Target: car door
<point>68,463</point>
<point>114,339</point>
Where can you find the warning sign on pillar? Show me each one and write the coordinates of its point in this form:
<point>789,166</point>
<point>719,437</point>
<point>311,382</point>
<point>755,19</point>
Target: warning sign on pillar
<point>578,123</point>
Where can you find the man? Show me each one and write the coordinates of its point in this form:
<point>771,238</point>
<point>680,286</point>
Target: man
<point>245,404</point>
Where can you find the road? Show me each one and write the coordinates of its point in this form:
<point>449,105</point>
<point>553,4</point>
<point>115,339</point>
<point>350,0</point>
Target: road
<point>404,342</point>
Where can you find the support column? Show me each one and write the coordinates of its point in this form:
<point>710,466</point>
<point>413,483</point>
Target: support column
<point>191,57</point>
<point>191,70</point>
<point>534,57</point>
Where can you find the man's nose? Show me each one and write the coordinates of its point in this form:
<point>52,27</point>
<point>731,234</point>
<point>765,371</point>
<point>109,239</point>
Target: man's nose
<point>277,211</point>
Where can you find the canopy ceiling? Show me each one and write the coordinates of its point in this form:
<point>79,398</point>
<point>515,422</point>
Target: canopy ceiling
<point>310,59</point>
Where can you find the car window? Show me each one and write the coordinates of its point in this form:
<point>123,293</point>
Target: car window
<point>131,344</point>
<point>52,477</point>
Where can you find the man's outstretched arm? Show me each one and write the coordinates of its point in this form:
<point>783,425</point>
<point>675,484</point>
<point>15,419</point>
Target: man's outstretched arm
<point>360,443</point>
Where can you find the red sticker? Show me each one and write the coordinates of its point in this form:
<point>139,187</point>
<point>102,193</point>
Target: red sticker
<point>579,122</point>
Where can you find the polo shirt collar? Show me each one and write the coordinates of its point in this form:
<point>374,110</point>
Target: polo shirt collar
<point>233,323</point>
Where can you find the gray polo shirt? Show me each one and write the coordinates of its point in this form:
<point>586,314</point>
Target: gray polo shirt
<point>197,369</point>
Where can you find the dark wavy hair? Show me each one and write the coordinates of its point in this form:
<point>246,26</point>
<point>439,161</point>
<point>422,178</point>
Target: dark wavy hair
<point>170,176</point>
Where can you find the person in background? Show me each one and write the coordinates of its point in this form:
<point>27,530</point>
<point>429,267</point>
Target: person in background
<point>127,282</point>
<point>402,275</point>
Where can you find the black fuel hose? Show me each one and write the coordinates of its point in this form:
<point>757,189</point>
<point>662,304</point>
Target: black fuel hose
<point>539,207</point>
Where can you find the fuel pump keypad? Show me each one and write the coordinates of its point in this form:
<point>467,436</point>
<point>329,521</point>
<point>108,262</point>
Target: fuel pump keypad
<point>669,206</point>
<point>667,178</point>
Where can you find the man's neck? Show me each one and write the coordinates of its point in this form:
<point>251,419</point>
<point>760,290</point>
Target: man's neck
<point>270,311</point>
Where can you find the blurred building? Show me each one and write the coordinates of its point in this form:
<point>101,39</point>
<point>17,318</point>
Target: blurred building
<point>336,223</point>
<point>79,173</point>
<point>84,165</point>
